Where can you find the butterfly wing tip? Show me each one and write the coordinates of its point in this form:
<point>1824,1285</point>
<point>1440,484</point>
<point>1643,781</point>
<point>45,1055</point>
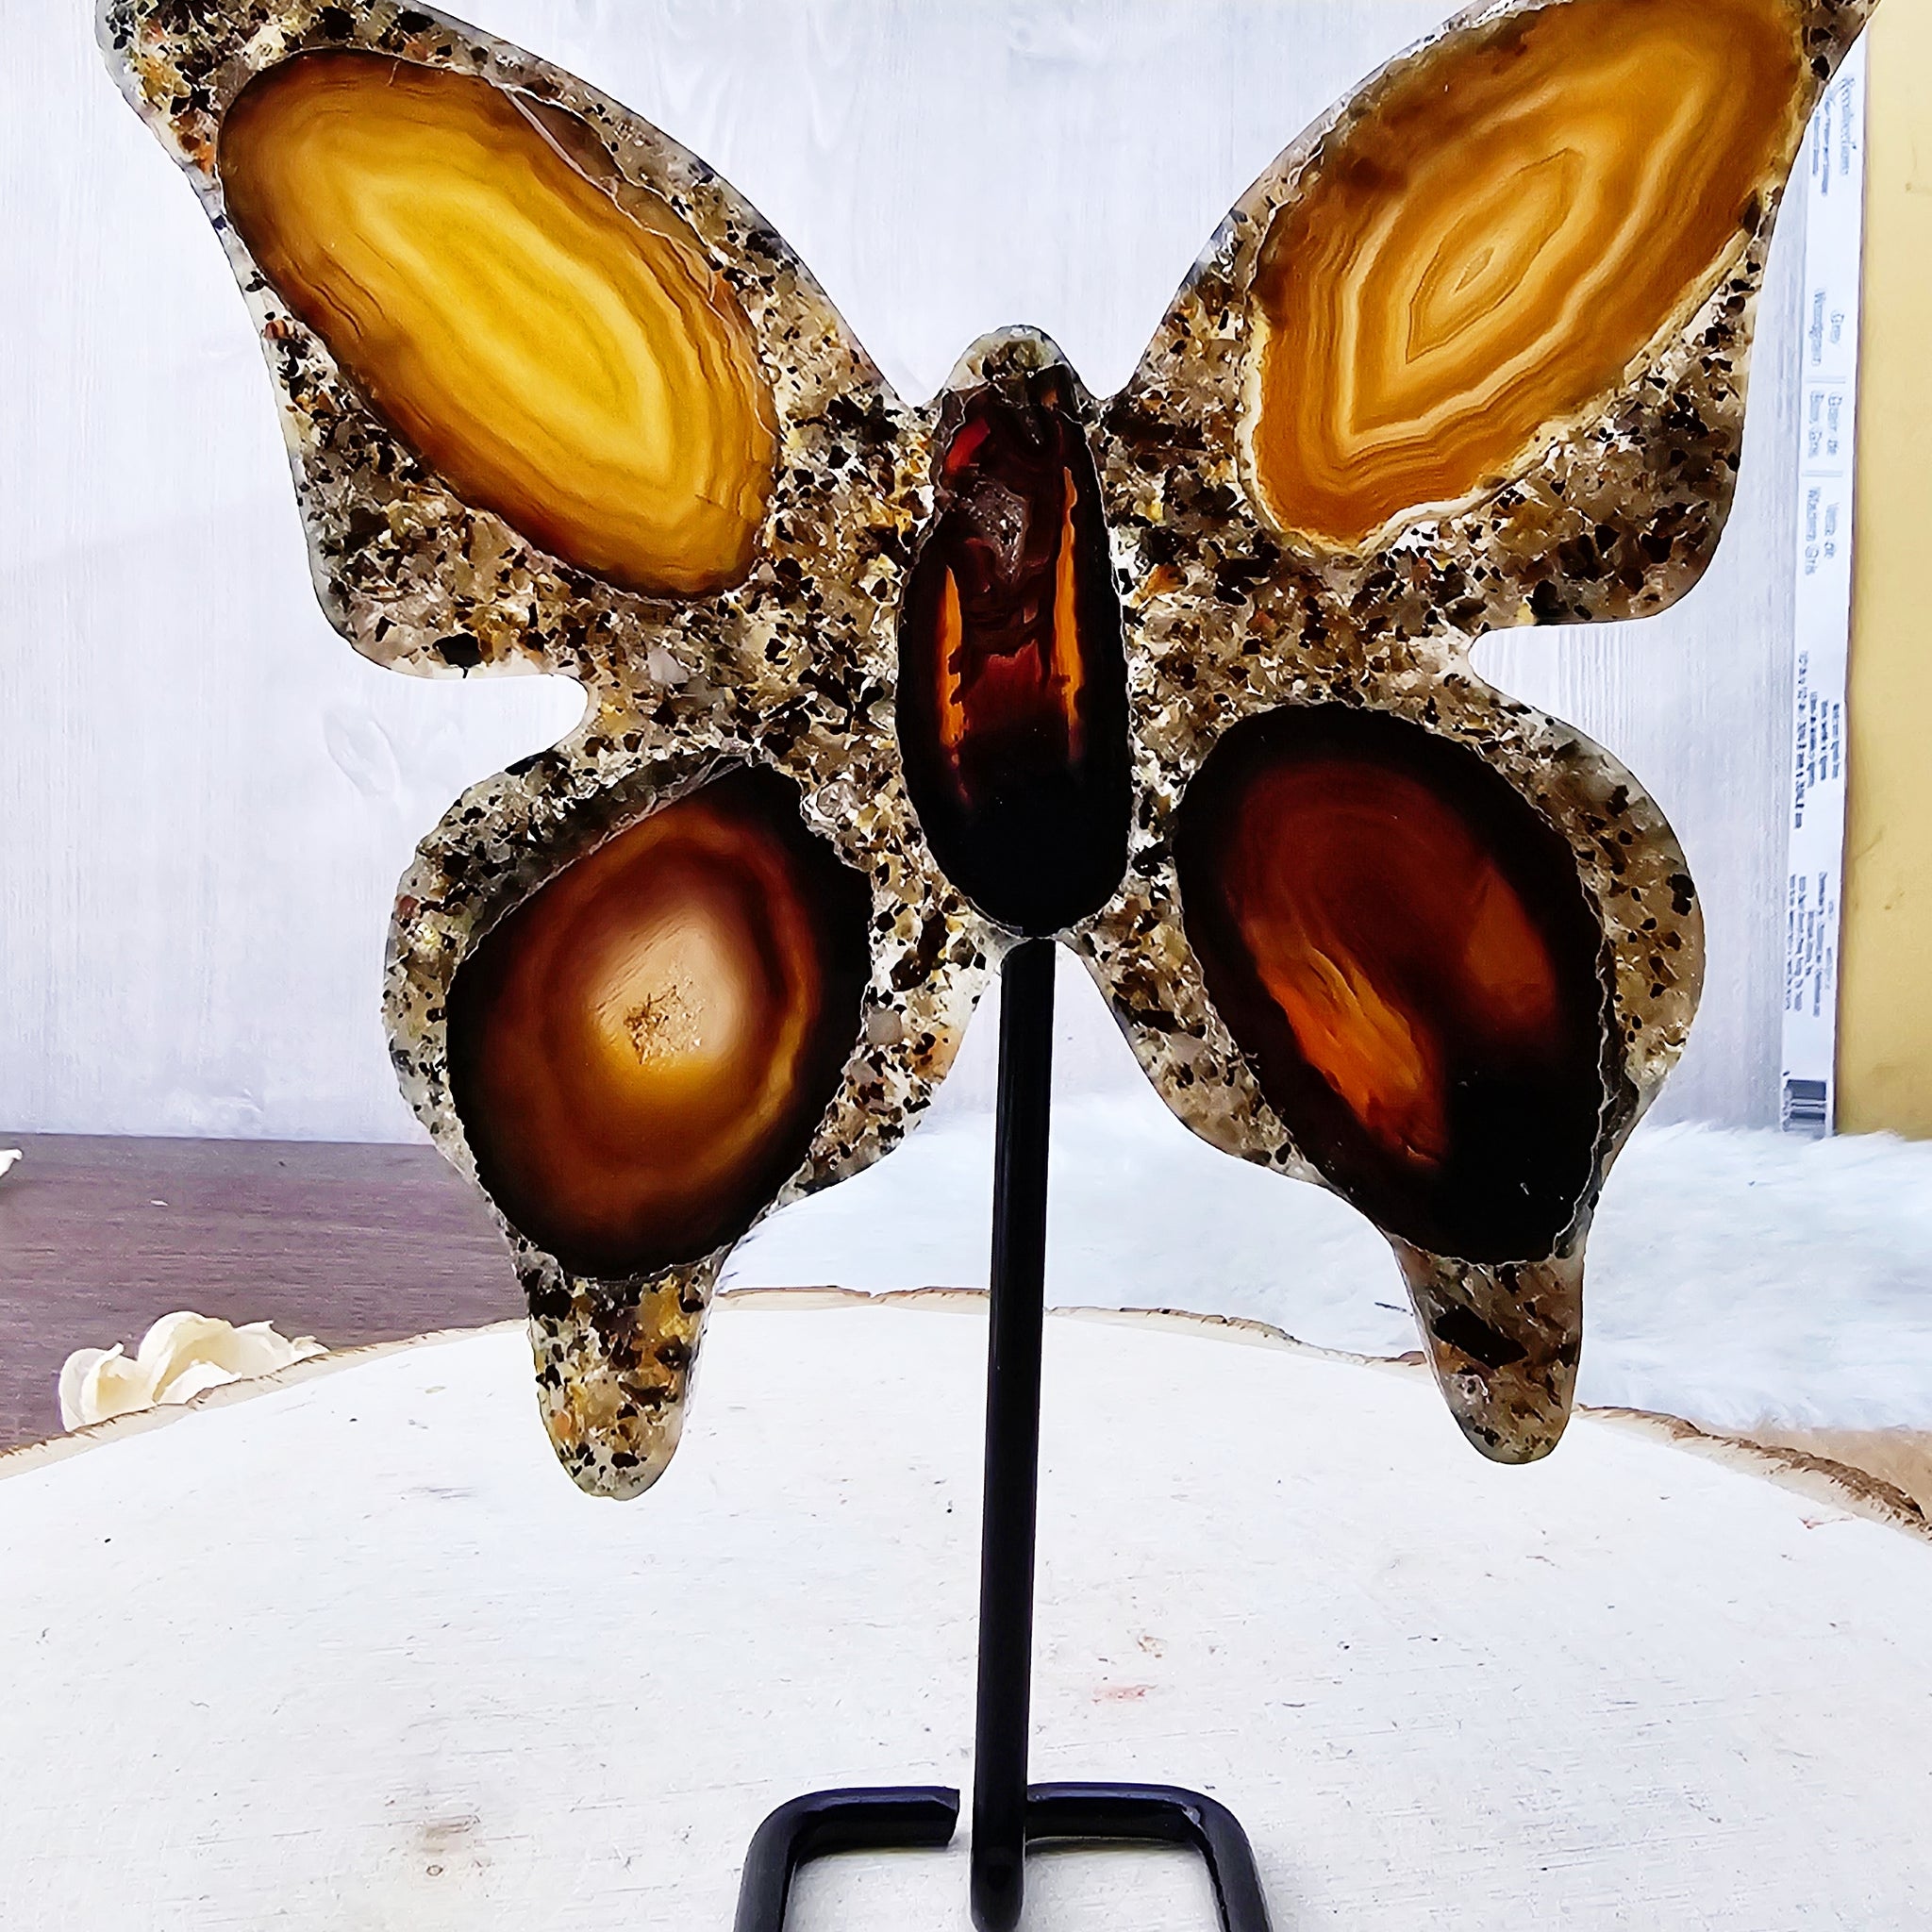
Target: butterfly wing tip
<point>613,1371</point>
<point>1509,1432</point>
<point>611,1445</point>
<point>1503,1340</point>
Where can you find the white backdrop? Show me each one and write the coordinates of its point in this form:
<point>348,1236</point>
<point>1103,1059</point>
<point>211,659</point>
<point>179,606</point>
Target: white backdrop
<point>206,798</point>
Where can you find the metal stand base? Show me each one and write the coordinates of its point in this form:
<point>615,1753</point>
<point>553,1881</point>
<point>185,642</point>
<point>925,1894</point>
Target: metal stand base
<point>922,1818</point>
<point>884,1818</point>
<point>1009,1814</point>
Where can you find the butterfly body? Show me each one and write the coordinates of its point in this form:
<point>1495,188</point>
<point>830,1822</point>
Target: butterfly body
<point>1181,676</point>
<point>1012,699</point>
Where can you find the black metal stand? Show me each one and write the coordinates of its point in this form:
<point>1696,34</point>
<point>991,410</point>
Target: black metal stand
<point>1008,1813</point>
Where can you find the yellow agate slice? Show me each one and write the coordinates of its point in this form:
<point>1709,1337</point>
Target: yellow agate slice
<point>574,366</point>
<point>1496,241</point>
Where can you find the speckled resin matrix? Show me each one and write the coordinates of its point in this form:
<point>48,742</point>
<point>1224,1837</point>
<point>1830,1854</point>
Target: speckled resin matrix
<point>1186,672</point>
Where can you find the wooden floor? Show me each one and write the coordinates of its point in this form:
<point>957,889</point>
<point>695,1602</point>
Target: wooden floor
<point>348,1244</point>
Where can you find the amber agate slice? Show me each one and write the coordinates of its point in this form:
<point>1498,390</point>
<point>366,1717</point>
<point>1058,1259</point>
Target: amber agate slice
<point>640,1052</point>
<point>1495,242</point>
<point>570,363</point>
<point>1399,942</point>
<point>1012,682</point>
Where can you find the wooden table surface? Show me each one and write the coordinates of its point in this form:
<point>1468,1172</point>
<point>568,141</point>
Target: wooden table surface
<point>99,1235</point>
<point>351,1652</point>
<point>354,1244</point>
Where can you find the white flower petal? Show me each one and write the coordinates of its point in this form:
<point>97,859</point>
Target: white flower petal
<point>74,1373</point>
<point>181,1355</point>
<point>191,1379</point>
<point>176,1338</point>
<point>103,1383</point>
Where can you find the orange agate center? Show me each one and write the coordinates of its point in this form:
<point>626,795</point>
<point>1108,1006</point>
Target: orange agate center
<point>548,335</point>
<point>640,1051</point>
<point>686,978</point>
<point>1400,944</point>
<point>1495,239</point>
<point>1379,909</point>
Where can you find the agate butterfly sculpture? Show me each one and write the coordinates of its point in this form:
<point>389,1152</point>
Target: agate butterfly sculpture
<point>1181,676</point>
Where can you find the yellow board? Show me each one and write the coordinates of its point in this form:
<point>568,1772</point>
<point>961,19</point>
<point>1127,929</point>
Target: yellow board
<point>1885,1006</point>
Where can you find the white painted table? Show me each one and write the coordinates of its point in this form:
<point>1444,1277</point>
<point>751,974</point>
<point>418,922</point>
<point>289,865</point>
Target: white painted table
<point>352,1654</point>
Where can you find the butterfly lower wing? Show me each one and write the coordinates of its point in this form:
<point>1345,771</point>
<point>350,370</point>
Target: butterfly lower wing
<point>1438,956</point>
<point>642,1005</point>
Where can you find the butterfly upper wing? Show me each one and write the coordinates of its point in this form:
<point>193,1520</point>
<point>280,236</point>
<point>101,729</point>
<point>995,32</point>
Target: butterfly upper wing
<point>484,290</point>
<point>1470,355</point>
<point>1473,348</point>
<point>557,398</point>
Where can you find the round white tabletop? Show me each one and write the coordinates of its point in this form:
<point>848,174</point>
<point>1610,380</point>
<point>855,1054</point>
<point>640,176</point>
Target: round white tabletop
<point>351,1652</point>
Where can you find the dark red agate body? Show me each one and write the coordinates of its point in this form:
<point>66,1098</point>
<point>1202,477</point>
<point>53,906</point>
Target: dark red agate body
<point>1400,943</point>
<point>1012,681</point>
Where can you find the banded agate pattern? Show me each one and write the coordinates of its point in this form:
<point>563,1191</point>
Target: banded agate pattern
<point>571,363</point>
<point>1398,939</point>
<point>1494,238</point>
<point>640,1051</point>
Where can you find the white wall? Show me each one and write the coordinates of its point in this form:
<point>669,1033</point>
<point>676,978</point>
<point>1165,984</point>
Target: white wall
<point>206,798</point>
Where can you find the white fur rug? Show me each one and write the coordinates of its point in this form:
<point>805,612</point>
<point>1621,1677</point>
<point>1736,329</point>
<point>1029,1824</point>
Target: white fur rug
<point>1737,1278</point>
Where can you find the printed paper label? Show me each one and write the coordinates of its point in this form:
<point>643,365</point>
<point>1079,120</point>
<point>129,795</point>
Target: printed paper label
<point>1832,183</point>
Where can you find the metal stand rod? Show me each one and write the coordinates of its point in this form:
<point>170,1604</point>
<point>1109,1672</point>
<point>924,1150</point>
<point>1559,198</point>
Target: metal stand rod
<point>1022,1132</point>
<point>1008,1813</point>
